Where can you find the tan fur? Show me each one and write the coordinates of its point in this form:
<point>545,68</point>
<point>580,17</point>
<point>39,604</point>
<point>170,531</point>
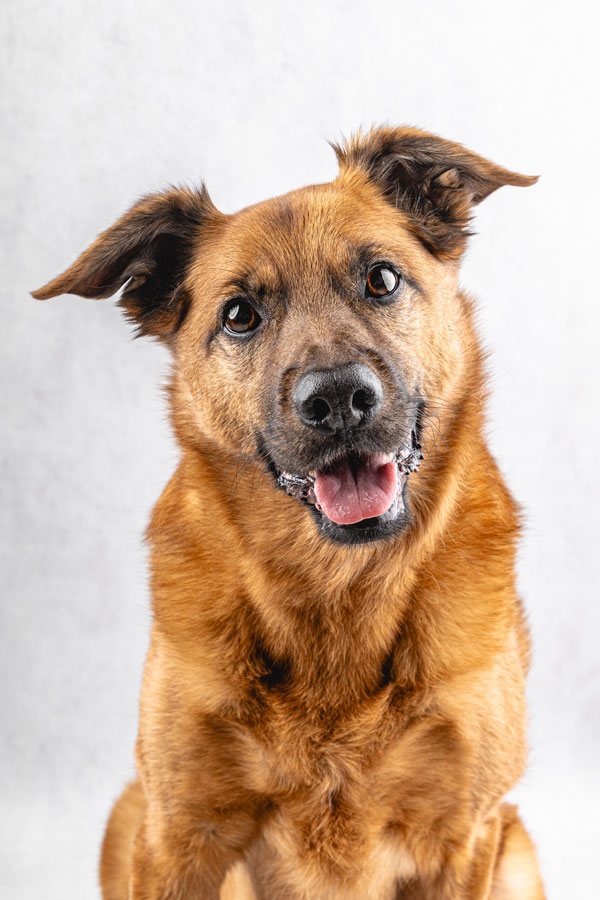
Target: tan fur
<point>322,722</point>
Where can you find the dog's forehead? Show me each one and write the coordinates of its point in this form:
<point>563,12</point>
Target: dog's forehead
<point>318,229</point>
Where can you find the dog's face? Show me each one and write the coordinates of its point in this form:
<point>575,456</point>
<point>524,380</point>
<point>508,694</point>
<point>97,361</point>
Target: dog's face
<point>315,331</point>
<point>317,326</point>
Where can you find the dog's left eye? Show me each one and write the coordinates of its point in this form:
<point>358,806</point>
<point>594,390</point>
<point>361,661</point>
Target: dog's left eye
<point>241,317</point>
<point>382,281</point>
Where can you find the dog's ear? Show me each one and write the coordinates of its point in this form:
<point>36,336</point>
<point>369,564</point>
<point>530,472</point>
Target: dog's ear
<point>148,251</point>
<point>435,181</point>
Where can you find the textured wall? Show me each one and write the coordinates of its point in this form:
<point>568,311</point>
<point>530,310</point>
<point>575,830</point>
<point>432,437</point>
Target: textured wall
<point>105,101</point>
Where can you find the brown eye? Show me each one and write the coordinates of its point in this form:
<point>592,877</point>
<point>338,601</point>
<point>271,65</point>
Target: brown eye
<point>382,281</point>
<point>241,317</point>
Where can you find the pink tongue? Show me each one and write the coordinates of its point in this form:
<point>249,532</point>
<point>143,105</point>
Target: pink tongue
<point>346,496</point>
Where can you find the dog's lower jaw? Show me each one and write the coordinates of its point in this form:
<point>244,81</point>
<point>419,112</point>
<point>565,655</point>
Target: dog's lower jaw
<point>385,526</point>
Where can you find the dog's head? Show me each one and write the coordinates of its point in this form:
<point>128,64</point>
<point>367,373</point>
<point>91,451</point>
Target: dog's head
<point>316,331</point>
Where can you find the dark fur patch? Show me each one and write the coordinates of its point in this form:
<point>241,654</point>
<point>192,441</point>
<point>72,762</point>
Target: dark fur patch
<point>283,217</point>
<point>274,673</point>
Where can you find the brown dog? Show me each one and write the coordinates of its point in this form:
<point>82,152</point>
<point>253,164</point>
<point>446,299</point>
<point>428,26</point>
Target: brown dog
<point>333,700</point>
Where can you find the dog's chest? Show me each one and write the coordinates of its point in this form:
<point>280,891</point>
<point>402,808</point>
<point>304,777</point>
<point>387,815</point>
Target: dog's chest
<point>321,730</point>
<point>318,721</point>
<point>321,771</point>
<point>328,831</point>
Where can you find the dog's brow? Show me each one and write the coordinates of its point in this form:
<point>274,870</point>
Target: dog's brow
<point>240,285</point>
<point>251,284</point>
<point>368,252</point>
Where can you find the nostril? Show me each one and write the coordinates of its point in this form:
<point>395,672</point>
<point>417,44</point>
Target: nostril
<point>319,409</point>
<point>363,400</point>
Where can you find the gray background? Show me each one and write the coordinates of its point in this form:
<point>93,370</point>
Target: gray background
<point>105,101</point>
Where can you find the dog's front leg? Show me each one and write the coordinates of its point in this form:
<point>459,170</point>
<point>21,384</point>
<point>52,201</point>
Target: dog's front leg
<point>186,859</point>
<point>499,864</point>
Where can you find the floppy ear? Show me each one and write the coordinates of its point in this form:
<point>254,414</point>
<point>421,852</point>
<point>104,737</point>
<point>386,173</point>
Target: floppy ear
<point>435,181</point>
<point>148,250</point>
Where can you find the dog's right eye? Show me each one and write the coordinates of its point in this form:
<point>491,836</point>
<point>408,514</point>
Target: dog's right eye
<point>241,317</point>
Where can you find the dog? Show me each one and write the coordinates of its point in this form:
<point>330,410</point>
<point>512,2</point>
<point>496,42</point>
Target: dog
<point>333,699</point>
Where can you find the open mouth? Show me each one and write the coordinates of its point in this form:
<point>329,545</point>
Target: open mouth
<point>360,497</point>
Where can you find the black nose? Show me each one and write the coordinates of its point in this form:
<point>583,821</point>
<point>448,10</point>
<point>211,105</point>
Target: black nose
<point>334,400</point>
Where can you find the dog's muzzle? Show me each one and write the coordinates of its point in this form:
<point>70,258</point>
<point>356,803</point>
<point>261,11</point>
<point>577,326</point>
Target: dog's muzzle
<point>355,483</point>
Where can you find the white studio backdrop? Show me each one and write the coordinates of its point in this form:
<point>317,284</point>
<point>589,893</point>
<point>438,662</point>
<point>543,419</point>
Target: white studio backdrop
<point>105,101</point>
